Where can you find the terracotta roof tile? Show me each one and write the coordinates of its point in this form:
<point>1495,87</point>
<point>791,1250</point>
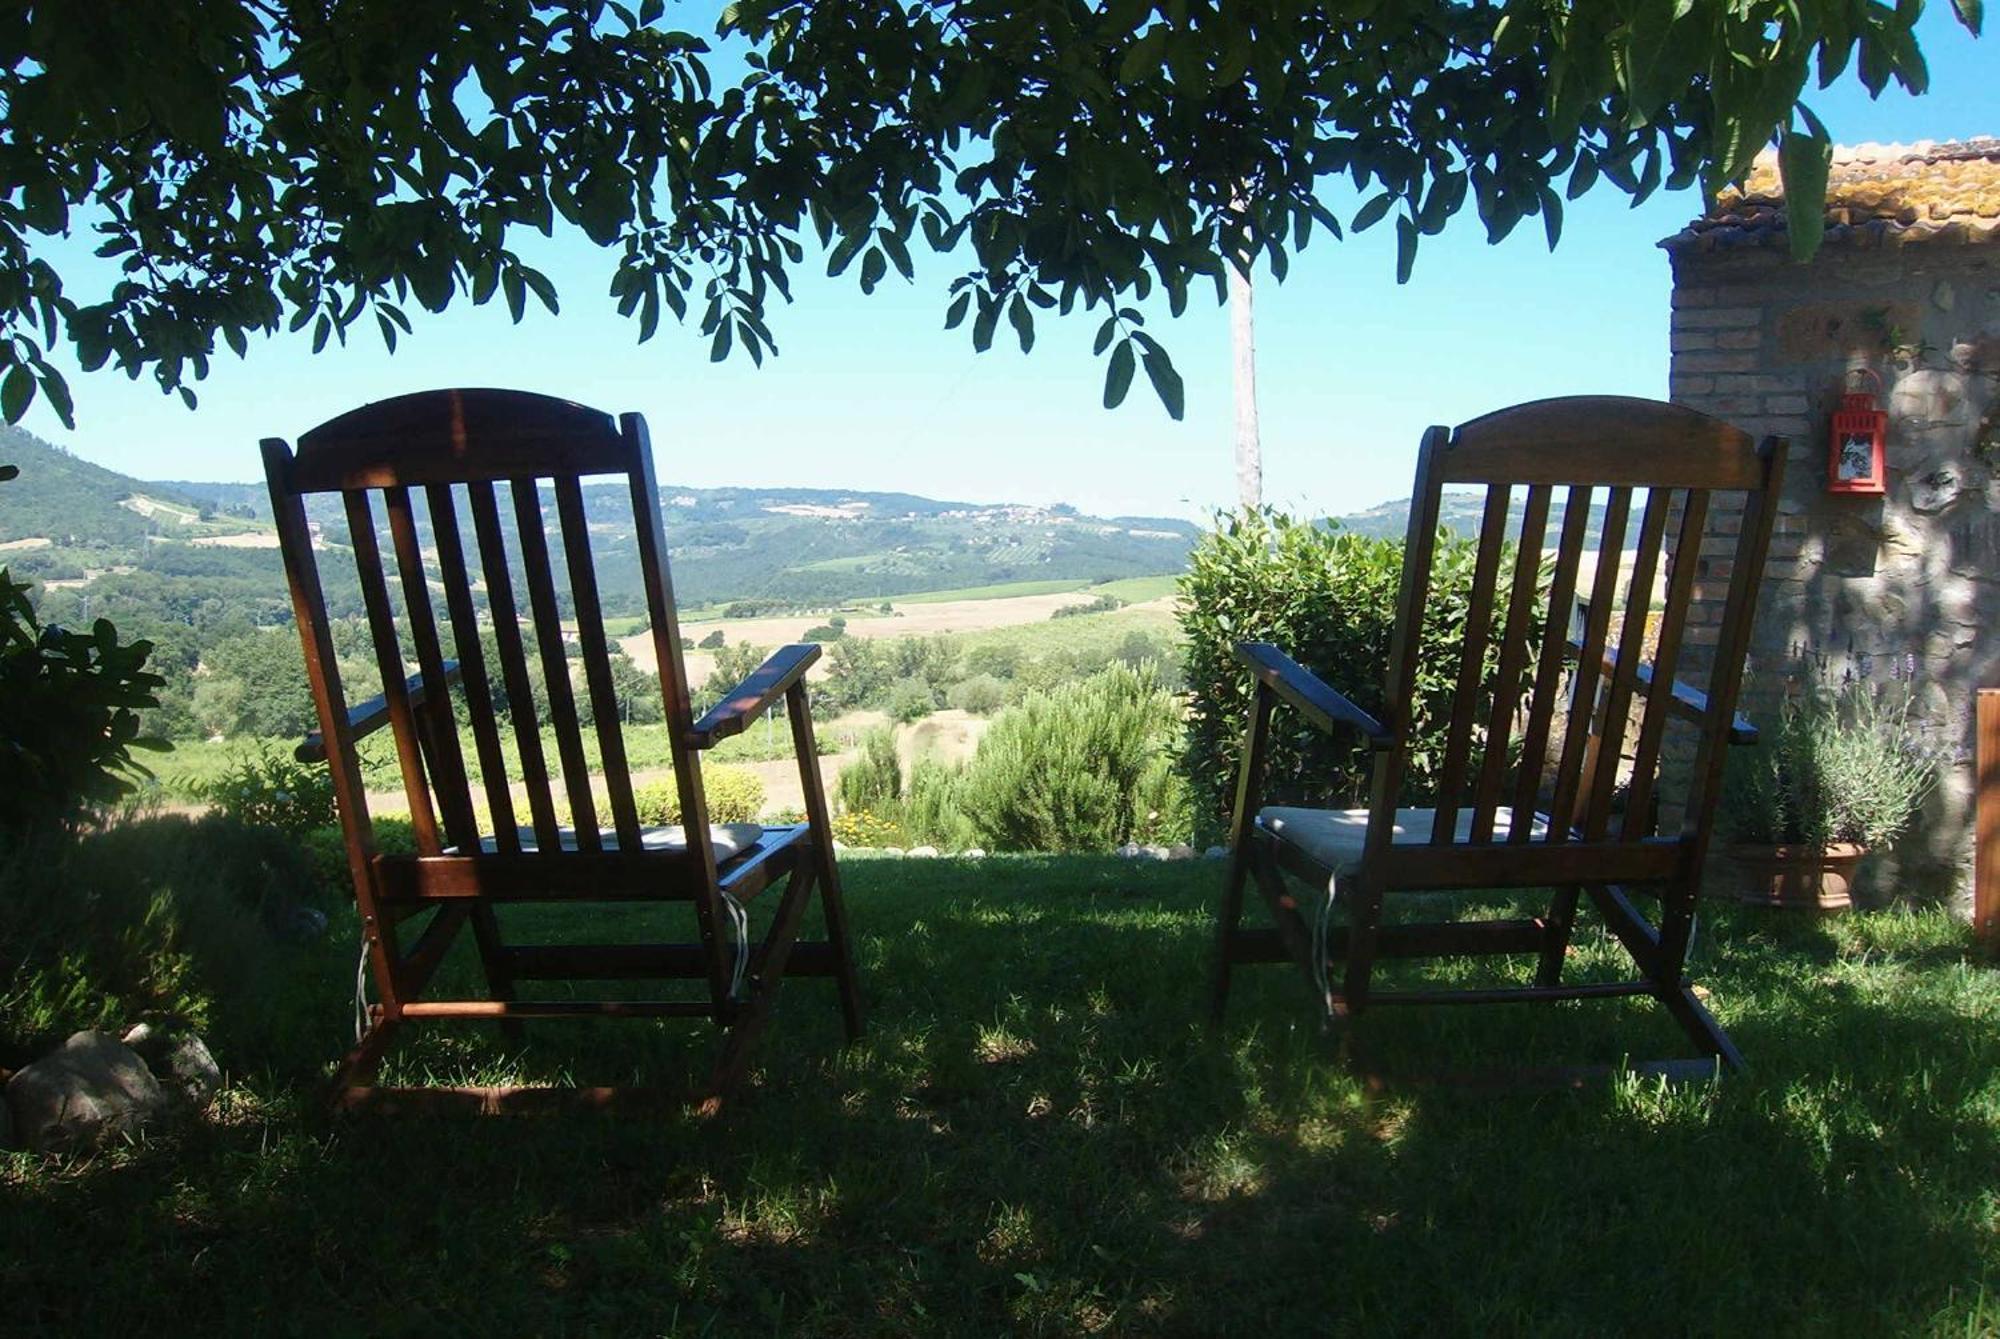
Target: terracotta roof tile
<point>1876,195</point>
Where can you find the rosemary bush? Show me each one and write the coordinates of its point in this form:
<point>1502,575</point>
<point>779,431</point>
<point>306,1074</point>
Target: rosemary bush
<point>1841,766</point>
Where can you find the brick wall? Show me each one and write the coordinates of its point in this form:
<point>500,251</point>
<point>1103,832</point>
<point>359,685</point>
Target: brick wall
<point>1863,585</point>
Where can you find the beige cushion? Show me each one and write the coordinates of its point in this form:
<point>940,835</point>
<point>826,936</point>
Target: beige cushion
<point>1335,837</point>
<point>729,839</point>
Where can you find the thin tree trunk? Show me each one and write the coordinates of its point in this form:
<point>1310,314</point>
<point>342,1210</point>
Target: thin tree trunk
<point>1243,346</point>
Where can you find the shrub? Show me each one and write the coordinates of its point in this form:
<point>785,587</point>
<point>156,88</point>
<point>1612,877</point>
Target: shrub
<point>859,827</point>
<point>982,695</point>
<point>1001,660</point>
<point>910,700</point>
<point>934,807</point>
<point>873,782</point>
<point>1163,803</point>
<point>155,918</point>
<point>864,671</point>
<point>1841,766</point>
<point>825,632</point>
<point>1065,771</point>
<point>712,642</point>
<point>69,714</point>
<point>324,851</point>
<point>1328,598</point>
<point>733,664</point>
<point>1103,604</point>
<point>269,788</point>
<point>734,795</point>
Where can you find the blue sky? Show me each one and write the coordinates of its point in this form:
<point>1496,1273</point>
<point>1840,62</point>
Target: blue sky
<point>871,393</point>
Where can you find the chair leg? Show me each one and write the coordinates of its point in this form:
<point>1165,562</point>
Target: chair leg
<point>834,907</point>
<point>753,1017</point>
<point>1701,1027</point>
<point>1562,921</point>
<point>1226,925</point>
<point>361,1062</point>
<point>1364,915</point>
<point>499,981</point>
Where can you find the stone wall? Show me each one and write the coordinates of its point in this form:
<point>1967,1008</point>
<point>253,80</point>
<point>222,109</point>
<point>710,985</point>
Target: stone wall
<point>1883,586</point>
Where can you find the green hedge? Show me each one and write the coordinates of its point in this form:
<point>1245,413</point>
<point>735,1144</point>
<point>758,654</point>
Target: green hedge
<point>1328,599</point>
<point>1086,767</point>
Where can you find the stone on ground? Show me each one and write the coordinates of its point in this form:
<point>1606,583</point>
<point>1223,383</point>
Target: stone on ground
<point>93,1087</point>
<point>179,1060</point>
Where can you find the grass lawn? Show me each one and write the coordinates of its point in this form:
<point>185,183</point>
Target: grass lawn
<point>1040,1134</point>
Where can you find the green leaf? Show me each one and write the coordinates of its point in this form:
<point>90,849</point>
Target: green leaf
<point>1971,13</point>
<point>982,325</point>
<point>17,392</point>
<point>954,315</point>
<point>1144,57</point>
<point>1023,322</point>
<point>1118,376</point>
<point>1804,159</point>
<point>544,290</point>
<point>57,391</point>
<point>1406,247</point>
<point>1166,382</point>
<point>873,267</point>
<point>719,348</point>
<point>1584,175</point>
<point>1371,213</point>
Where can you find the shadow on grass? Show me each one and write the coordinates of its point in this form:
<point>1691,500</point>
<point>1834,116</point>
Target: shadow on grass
<point>1040,1135</point>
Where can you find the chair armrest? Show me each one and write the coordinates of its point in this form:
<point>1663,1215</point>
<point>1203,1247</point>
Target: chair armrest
<point>1304,690</point>
<point>365,718</point>
<point>766,684</point>
<point>1689,703</point>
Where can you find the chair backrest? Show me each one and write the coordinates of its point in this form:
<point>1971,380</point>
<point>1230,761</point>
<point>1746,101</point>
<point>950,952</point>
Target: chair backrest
<point>436,469</point>
<point>1535,722</point>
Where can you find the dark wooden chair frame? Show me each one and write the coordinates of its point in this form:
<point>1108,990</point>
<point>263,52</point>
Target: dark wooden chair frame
<point>1580,443</point>
<point>474,439</point>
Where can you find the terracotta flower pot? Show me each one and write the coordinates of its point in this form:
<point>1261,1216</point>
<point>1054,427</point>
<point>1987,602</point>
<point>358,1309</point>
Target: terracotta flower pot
<point>1802,877</point>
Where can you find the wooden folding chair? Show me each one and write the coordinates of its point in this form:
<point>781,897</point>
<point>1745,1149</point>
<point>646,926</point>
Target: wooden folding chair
<point>448,450</point>
<point>1516,753</point>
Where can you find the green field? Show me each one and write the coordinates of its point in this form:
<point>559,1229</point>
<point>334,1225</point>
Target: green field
<point>1132,590</point>
<point>181,775</point>
<point>1000,591</point>
<point>1081,633</point>
<point>1042,1134</point>
<point>1138,590</point>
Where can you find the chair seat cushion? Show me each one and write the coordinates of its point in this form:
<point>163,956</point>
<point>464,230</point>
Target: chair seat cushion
<point>1336,838</point>
<point>730,840</point>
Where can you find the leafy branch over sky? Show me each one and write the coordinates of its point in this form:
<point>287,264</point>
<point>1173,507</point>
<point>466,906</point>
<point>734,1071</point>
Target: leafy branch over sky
<point>262,165</point>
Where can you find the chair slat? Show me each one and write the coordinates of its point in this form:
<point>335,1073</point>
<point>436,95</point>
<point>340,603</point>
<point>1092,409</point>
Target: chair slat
<point>650,533</point>
<point>1514,644</point>
<point>596,658</point>
<point>1659,702</point>
<point>1549,666</point>
<point>506,617</point>
<point>1472,660</point>
<point>1583,704</point>
<point>1631,650</point>
<point>448,779</point>
<point>471,652</point>
<point>555,661</point>
<point>389,660</point>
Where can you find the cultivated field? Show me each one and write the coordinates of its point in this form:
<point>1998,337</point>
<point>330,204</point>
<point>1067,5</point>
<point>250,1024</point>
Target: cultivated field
<point>911,619</point>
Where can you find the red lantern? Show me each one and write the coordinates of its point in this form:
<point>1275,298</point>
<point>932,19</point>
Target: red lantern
<point>1854,462</point>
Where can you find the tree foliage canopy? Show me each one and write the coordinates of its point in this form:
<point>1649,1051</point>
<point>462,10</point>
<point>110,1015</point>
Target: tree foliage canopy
<point>311,165</point>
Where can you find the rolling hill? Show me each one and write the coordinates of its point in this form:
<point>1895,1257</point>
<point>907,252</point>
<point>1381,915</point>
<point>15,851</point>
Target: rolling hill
<point>67,519</point>
<point>1460,513</point>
